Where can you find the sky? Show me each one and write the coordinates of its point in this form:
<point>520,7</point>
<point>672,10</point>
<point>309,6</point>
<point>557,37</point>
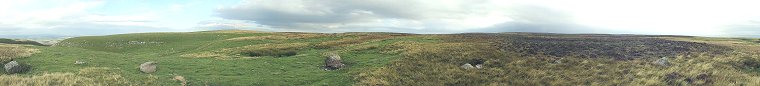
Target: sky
<point>716,18</point>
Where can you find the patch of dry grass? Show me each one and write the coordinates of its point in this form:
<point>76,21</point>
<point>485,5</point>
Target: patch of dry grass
<point>347,41</point>
<point>239,52</point>
<point>235,31</point>
<point>279,36</point>
<point>85,77</point>
<point>9,51</point>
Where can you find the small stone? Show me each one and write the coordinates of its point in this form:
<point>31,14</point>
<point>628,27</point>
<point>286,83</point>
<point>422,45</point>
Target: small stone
<point>79,62</point>
<point>181,79</point>
<point>148,67</point>
<point>479,66</point>
<point>662,62</point>
<point>467,66</point>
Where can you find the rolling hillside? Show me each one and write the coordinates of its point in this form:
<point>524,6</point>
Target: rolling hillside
<point>239,57</point>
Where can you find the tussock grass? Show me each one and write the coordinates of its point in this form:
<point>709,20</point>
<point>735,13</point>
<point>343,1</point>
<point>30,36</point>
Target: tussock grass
<point>438,64</point>
<point>235,31</point>
<point>281,36</point>
<point>352,39</point>
<point>96,76</point>
<point>276,50</point>
<point>8,52</point>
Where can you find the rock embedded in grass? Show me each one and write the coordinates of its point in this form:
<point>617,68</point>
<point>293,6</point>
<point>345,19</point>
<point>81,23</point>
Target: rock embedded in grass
<point>79,62</point>
<point>148,67</point>
<point>479,66</point>
<point>467,66</point>
<point>181,79</point>
<point>333,62</point>
<point>16,67</point>
<point>662,62</point>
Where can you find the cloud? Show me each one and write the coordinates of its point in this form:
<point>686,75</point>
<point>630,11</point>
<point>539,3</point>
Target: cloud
<point>80,29</point>
<point>366,15</point>
<point>102,17</point>
<point>71,18</point>
<point>747,29</point>
<point>705,18</point>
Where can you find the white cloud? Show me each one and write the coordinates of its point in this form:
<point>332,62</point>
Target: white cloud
<point>366,15</point>
<point>68,18</point>
<point>672,17</point>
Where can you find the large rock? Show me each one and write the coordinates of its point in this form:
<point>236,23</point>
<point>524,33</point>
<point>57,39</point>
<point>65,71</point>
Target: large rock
<point>15,67</point>
<point>662,62</point>
<point>148,67</point>
<point>333,62</point>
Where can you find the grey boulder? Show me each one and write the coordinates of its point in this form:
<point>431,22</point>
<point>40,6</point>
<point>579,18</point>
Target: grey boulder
<point>148,67</point>
<point>16,67</point>
<point>333,62</point>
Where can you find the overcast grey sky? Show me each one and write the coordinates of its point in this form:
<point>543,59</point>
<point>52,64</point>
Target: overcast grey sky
<point>734,18</point>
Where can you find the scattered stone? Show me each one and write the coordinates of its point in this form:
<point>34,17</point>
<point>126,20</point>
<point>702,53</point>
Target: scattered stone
<point>333,62</point>
<point>181,79</point>
<point>475,63</point>
<point>467,66</point>
<point>79,62</point>
<point>16,67</point>
<point>148,67</point>
<point>662,62</point>
<point>558,61</point>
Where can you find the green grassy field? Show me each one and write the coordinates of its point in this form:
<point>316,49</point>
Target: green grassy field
<point>237,57</point>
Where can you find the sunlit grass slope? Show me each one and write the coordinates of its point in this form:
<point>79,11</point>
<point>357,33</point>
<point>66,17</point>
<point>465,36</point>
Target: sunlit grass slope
<point>221,57</point>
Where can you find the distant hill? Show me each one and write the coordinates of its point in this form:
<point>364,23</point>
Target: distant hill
<point>17,41</point>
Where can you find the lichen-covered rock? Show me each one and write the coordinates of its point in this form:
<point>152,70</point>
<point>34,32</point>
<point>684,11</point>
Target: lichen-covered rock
<point>16,67</point>
<point>662,62</point>
<point>148,67</point>
<point>333,62</point>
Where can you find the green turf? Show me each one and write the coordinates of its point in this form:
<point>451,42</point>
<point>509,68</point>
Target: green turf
<point>126,51</point>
